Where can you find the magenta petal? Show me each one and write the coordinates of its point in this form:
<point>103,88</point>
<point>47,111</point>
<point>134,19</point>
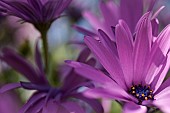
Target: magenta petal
<point>157,81</point>
<point>107,59</point>
<point>142,48</point>
<point>162,100</point>
<point>129,8</point>
<point>20,64</point>
<point>110,92</point>
<point>73,107</point>
<point>106,41</point>
<point>84,54</point>
<point>9,86</point>
<point>134,108</point>
<point>90,72</point>
<point>33,100</point>
<point>84,31</point>
<point>125,48</point>
<point>92,19</point>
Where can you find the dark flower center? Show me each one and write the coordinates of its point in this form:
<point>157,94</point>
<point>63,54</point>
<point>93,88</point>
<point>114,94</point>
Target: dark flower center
<point>141,93</point>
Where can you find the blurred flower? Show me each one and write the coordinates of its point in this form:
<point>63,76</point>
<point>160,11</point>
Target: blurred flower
<point>128,10</point>
<point>9,102</point>
<point>47,98</point>
<point>41,13</point>
<point>137,66</point>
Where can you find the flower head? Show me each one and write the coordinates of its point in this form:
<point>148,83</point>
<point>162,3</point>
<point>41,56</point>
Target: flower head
<point>48,98</point>
<point>136,65</point>
<point>41,13</point>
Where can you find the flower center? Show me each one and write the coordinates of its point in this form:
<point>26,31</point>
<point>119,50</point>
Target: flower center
<point>141,93</point>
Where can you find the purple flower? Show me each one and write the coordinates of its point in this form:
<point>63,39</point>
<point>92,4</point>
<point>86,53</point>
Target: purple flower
<point>136,67</point>
<point>48,99</point>
<point>128,10</point>
<point>38,12</point>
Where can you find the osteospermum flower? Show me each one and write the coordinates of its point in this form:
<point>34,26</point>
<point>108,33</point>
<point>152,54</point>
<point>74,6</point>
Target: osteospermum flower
<point>136,67</point>
<point>48,99</point>
<point>41,13</point>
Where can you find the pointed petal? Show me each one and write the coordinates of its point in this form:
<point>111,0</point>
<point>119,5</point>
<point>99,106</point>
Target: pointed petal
<point>9,86</point>
<point>134,108</point>
<point>90,72</point>
<point>19,64</point>
<point>142,48</point>
<point>107,42</point>
<point>110,92</point>
<point>108,60</point>
<point>93,20</point>
<point>125,49</point>
<point>38,58</point>
<point>32,101</point>
<point>84,31</point>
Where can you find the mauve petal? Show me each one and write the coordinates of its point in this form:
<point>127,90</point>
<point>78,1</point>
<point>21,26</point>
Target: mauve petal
<point>73,107</point>
<point>37,107</point>
<point>157,81</point>
<point>131,11</point>
<point>142,48</point>
<point>108,60</point>
<point>54,107</point>
<point>163,86</point>
<point>134,108</point>
<point>9,86</point>
<point>20,64</point>
<point>32,101</point>
<point>158,53</point>
<point>84,54</point>
<point>109,18</point>
<point>155,26</point>
<point>90,72</point>
<point>157,12</point>
<point>111,92</point>
<point>84,31</point>
<point>162,100</point>
<point>93,20</point>
<point>95,104</point>
<point>107,42</point>
<point>125,49</point>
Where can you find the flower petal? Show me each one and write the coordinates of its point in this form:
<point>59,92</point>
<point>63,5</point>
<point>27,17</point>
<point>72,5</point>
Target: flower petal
<point>108,60</point>
<point>72,107</point>
<point>9,86</point>
<point>134,108</point>
<point>95,104</point>
<point>142,48</point>
<point>90,72</point>
<point>162,100</point>
<point>125,49</point>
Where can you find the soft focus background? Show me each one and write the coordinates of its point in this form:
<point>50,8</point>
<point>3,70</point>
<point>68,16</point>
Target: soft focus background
<point>61,39</point>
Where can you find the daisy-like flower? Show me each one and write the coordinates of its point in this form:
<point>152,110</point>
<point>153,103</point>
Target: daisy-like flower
<point>48,99</point>
<point>41,13</point>
<point>128,10</point>
<point>136,67</point>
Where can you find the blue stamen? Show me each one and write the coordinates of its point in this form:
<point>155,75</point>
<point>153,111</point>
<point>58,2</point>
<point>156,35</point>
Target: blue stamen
<point>141,93</point>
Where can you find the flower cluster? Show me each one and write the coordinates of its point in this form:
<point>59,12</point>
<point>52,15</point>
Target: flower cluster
<point>124,58</point>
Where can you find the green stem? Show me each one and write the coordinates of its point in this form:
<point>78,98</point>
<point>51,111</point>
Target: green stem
<point>45,49</point>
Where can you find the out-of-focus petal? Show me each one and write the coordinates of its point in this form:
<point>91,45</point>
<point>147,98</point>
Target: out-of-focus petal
<point>95,104</point>
<point>73,107</point>
<point>134,108</point>
<point>9,86</point>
